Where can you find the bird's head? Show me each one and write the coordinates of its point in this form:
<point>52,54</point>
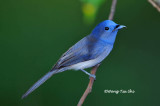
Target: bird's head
<point>106,30</point>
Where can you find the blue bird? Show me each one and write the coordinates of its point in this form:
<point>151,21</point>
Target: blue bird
<point>88,52</point>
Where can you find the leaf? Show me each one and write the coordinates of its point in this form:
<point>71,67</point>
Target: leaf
<point>90,9</point>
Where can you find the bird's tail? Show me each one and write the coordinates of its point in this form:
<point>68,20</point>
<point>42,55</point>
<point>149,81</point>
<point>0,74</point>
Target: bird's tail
<point>39,82</point>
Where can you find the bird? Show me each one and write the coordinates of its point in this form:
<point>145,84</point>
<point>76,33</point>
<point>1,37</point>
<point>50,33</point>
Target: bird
<point>88,52</point>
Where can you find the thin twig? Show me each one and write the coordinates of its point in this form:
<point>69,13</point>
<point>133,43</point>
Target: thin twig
<point>94,69</point>
<point>113,8</point>
<point>89,88</point>
<point>154,4</point>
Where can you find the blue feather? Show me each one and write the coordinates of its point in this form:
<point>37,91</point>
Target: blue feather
<point>39,82</point>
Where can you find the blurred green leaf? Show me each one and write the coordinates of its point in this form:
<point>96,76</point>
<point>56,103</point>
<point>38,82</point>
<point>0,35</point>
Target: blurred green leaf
<point>90,9</point>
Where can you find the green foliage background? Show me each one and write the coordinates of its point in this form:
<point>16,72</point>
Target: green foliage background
<point>34,34</point>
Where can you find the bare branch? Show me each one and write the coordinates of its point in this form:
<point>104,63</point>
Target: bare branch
<point>154,4</point>
<point>113,8</point>
<point>89,88</point>
<point>94,69</point>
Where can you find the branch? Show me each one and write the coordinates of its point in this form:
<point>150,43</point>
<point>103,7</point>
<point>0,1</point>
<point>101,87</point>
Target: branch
<point>94,69</point>
<point>89,88</point>
<point>155,4</point>
<point>113,8</point>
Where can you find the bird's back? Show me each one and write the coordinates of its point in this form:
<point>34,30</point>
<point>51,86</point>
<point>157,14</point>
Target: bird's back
<point>86,49</point>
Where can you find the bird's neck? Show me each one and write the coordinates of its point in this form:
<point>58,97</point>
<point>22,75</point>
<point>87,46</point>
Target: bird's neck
<point>103,38</point>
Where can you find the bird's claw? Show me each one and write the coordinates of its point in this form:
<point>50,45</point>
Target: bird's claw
<point>93,76</point>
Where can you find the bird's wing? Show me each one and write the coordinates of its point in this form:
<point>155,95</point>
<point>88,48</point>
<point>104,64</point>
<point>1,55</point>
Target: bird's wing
<point>83,50</point>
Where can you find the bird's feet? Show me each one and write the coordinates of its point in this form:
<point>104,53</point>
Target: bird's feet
<point>90,75</point>
<point>93,76</point>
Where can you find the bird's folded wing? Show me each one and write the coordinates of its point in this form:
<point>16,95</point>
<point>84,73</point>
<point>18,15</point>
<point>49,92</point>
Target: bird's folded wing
<point>80,52</point>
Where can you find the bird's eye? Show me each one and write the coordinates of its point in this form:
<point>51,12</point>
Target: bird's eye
<point>106,28</point>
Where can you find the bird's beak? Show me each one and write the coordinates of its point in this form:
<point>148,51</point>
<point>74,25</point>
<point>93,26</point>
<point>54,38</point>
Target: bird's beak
<point>119,27</point>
